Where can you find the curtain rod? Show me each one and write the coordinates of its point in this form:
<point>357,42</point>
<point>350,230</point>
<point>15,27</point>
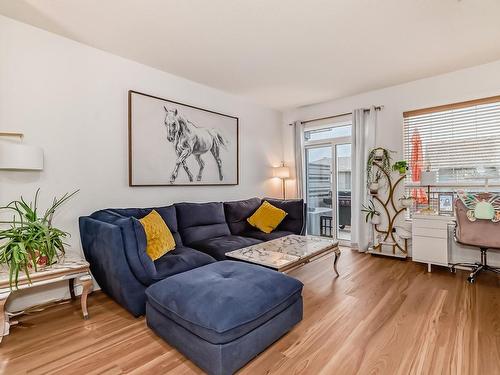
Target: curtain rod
<point>377,108</point>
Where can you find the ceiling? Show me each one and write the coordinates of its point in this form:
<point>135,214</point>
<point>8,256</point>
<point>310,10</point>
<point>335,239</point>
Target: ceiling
<point>281,53</point>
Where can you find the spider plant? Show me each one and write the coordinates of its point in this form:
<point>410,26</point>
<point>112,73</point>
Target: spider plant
<point>384,161</point>
<point>370,211</point>
<point>30,240</point>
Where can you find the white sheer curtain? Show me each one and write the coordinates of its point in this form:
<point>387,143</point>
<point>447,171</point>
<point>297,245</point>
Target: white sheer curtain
<point>298,137</point>
<point>364,125</point>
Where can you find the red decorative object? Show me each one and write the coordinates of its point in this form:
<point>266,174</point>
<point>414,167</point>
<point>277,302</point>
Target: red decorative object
<point>416,165</point>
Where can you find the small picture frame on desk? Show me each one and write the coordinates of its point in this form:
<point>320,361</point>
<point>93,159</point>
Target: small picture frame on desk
<point>446,203</point>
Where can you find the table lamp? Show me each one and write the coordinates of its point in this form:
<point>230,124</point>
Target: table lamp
<point>428,178</point>
<point>19,156</point>
<point>282,173</point>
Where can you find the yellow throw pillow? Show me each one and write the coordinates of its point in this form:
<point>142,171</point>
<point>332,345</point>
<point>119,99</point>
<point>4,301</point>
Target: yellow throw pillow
<point>159,238</point>
<point>267,217</point>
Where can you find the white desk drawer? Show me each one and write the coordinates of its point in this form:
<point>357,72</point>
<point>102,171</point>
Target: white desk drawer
<point>430,250</point>
<point>431,232</point>
<point>429,223</point>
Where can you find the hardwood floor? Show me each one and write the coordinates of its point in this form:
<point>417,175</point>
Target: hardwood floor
<point>381,316</point>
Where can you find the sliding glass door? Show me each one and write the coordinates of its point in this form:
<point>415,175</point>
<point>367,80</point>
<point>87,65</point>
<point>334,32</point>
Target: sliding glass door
<point>328,182</point>
<point>319,189</point>
<point>343,190</point>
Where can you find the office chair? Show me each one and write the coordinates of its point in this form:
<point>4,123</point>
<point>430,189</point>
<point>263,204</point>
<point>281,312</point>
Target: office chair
<point>481,233</point>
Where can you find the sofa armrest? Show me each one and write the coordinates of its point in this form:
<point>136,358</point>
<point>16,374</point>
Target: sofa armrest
<point>103,247</point>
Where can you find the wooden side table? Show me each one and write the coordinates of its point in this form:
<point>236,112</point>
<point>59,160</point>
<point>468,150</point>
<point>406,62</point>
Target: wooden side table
<point>68,269</point>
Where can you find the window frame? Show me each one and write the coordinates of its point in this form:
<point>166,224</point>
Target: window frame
<point>333,143</point>
<point>333,124</point>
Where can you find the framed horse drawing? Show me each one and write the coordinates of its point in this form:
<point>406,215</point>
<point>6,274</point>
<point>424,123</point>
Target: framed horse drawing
<point>176,144</point>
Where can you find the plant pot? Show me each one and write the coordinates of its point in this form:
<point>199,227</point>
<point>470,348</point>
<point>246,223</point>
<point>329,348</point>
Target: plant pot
<point>407,202</point>
<point>374,186</point>
<point>406,225</point>
<point>42,261</point>
<point>378,155</point>
<point>376,219</point>
<point>403,233</point>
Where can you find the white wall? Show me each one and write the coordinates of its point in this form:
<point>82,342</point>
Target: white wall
<point>477,82</point>
<point>71,100</point>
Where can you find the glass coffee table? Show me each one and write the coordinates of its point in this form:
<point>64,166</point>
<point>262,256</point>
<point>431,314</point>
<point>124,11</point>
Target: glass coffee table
<point>287,253</point>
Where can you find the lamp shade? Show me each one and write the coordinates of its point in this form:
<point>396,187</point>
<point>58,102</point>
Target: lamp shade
<point>19,156</point>
<point>282,172</point>
<point>428,178</point>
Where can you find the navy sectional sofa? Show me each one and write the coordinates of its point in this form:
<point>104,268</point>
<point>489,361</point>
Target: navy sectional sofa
<point>114,242</point>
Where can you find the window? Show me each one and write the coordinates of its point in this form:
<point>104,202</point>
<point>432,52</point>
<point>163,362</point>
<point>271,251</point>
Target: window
<point>327,133</point>
<point>460,141</point>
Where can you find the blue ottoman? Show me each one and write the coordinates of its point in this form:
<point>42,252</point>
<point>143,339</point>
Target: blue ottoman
<point>223,314</point>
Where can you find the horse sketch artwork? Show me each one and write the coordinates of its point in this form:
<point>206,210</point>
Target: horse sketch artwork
<point>189,139</point>
<point>171,144</point>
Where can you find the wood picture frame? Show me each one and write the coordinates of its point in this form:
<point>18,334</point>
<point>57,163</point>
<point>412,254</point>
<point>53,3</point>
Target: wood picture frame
<point>177,144</point>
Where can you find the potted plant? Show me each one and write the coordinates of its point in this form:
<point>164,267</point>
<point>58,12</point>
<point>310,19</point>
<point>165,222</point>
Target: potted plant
<point>375,183</point>
<point>30,241</point>
<point>371,214</point>
<point>400,166</point>
<point>383,157</point>
<point>406,201</point>
<point>379,154</point>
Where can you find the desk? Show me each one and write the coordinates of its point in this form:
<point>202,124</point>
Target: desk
<point>433,243</point>
<point>68,269</point>
<point>430,239</point>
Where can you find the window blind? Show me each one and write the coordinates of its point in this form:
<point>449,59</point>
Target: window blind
<point>460,141</point>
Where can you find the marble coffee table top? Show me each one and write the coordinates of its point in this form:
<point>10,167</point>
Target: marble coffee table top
<point>283,253</point>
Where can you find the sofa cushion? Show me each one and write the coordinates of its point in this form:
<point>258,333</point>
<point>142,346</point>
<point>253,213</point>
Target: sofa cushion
<point>238,212</point>
<point>266,236</point>
<point>218,247</point>
<point>294,221</point>
<point>199,221</point>
<point>159,239</point>
<point>267,217</point>
<point>225,300</point>
<point>134,246</point>
<point>102,244</point>
<point>179,260</point>
<point>167,213</point>
<point>133,242</point>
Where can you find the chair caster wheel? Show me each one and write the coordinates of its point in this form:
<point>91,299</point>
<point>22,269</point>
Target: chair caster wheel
<point>471,280</point>
<point>453,270</point>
